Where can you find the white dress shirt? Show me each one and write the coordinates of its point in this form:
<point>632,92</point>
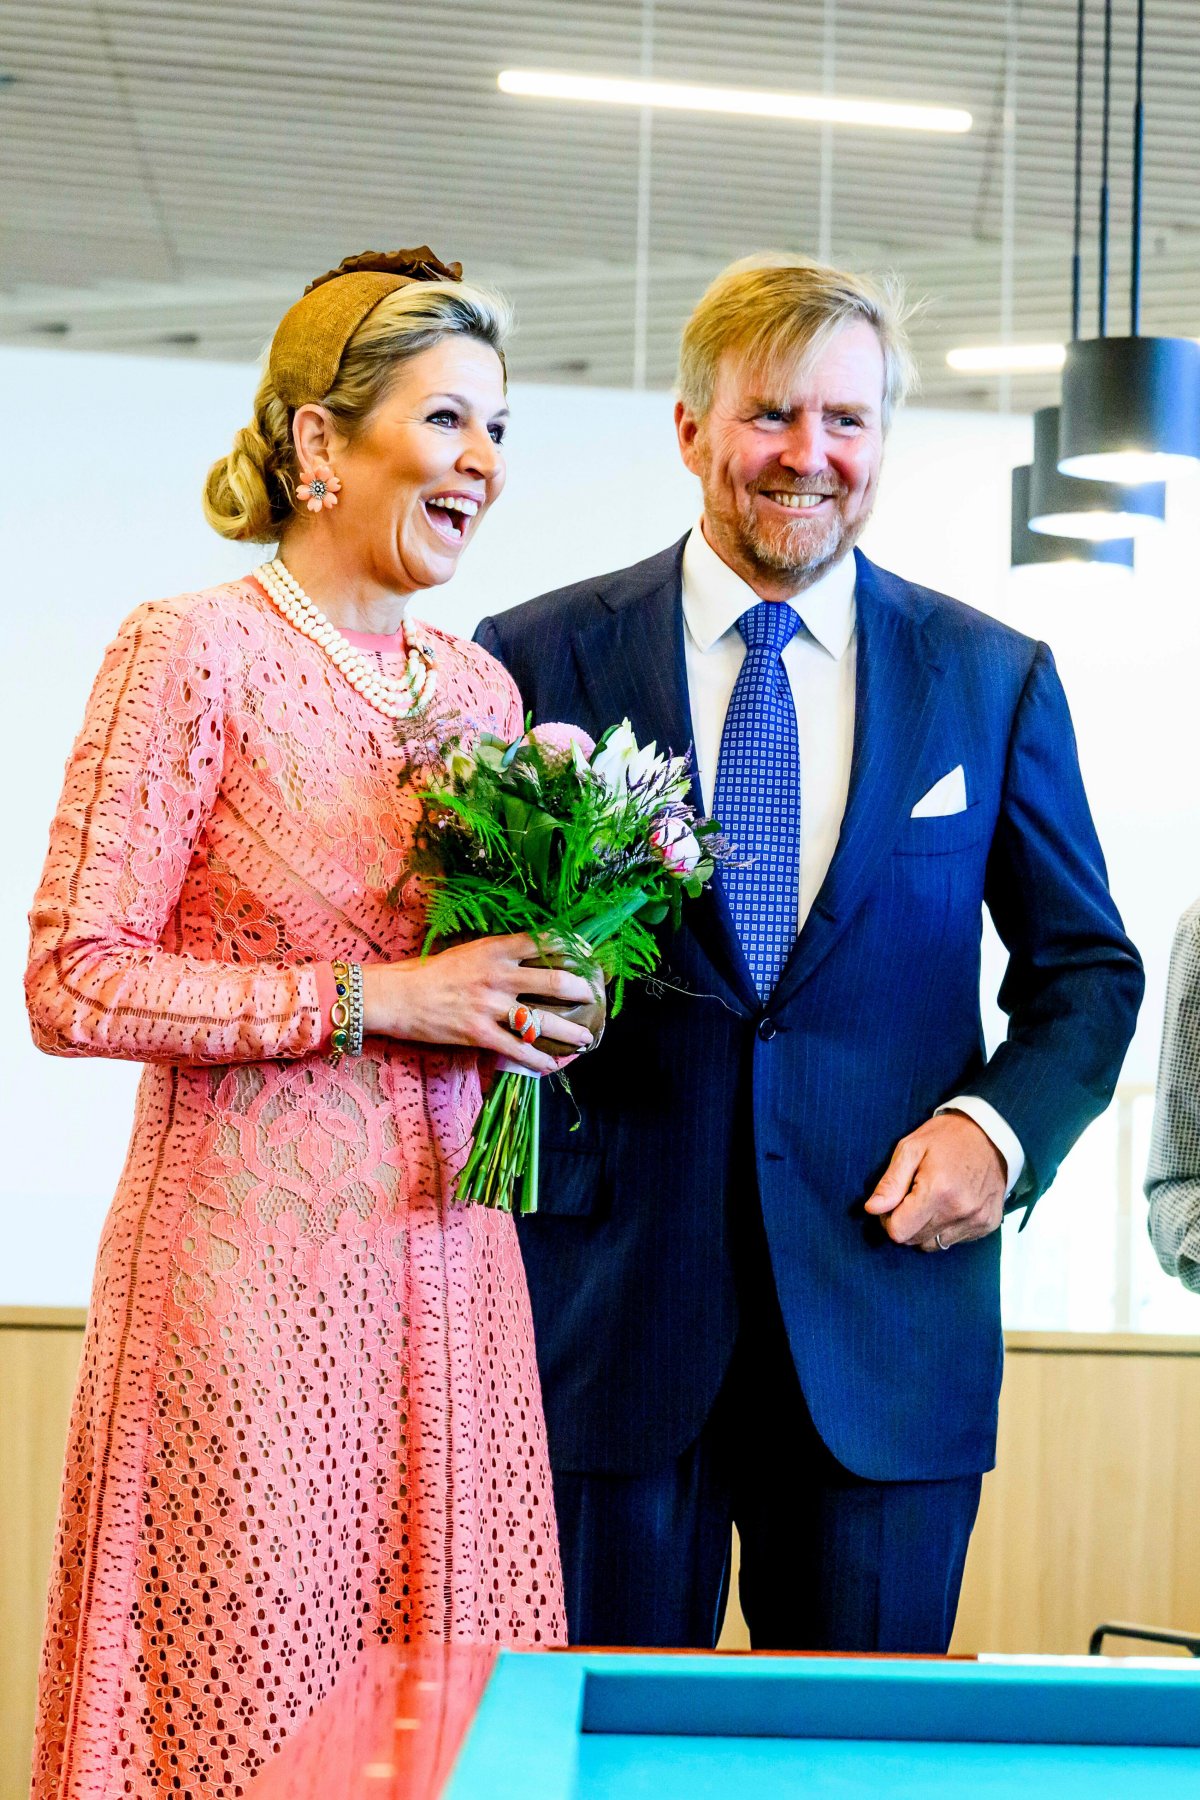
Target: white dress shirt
<point>820,662</point>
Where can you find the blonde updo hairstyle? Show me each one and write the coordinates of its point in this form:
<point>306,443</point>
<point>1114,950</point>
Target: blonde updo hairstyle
<point>250,493</point>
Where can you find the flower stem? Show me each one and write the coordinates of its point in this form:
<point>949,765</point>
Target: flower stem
<point>503,1161</point>
<point>502,1168</point>
<point>529,1181</point>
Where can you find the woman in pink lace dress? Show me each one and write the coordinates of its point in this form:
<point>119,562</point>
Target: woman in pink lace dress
<point>308,1416</point>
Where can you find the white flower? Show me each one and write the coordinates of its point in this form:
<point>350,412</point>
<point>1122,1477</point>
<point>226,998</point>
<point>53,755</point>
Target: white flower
<point>677,844</point>
<point>620,757</point>
<point>625,765</point>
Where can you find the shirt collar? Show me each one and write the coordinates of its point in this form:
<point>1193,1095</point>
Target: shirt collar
<point>714,599</point>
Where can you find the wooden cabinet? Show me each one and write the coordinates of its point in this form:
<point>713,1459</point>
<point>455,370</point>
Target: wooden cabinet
<point>39,1355</point>
<point>1093,1511</point>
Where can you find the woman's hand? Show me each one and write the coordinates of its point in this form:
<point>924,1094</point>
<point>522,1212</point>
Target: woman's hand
<point>463,996</point>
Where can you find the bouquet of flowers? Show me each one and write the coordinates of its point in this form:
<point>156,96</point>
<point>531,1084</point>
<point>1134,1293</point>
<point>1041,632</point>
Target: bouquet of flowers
<point>586,847</point>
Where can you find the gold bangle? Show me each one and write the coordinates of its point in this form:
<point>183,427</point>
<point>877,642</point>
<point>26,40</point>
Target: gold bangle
<point>339,1013</point>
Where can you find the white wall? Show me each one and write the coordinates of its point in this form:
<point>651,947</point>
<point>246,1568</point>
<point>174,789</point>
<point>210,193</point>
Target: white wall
<point>99,509</point>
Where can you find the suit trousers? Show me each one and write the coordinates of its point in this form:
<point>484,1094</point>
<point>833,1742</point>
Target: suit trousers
<point>829,1560</point>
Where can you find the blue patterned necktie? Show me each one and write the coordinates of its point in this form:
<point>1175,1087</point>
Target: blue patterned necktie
<point>757,798</point>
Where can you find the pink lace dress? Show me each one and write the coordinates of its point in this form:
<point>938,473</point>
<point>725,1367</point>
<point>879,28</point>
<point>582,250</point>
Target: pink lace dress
<point>308,1417</point>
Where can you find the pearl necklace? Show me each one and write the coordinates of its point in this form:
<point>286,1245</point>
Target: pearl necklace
<point>394,698</point>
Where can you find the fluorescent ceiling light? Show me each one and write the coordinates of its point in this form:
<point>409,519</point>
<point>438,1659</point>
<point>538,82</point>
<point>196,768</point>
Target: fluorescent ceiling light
<point>755,103</point>
<point>1006,359</point>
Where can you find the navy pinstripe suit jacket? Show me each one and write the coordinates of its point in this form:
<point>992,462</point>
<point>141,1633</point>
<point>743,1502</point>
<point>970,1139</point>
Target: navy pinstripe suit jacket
<point>875,1020</point>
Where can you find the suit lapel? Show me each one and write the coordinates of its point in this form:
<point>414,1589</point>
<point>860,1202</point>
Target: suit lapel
<point>630,655</point>
<point>631,660</point>
<point>897,689</point>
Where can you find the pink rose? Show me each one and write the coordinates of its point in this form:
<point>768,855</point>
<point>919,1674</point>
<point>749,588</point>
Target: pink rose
<point>677,845</point>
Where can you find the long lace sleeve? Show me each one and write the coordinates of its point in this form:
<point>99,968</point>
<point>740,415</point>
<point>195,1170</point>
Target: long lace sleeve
<point>141,781</point>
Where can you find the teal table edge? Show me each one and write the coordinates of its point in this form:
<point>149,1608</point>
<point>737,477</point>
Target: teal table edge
<point>523,1742</point>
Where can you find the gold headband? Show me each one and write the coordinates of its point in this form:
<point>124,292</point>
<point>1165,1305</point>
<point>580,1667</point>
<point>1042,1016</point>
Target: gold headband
<point>311,338</point>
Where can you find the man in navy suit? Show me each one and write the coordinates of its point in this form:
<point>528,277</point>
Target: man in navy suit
<point>765,1264</point>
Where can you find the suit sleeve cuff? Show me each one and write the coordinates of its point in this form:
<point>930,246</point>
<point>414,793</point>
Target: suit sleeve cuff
<point>997,1129</point>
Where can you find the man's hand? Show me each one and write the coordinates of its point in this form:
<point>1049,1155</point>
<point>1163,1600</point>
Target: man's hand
<point>947,1177</point>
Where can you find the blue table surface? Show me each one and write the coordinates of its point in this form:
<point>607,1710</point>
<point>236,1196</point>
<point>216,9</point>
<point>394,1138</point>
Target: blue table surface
<point>599,1726</point>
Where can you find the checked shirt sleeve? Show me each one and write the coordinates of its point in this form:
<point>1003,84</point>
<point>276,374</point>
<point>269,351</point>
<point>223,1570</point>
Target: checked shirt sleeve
<point>1173,1174</point>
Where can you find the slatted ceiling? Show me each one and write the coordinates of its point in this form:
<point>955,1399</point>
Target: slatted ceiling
<point>754,152</point>
<point>172,172</point>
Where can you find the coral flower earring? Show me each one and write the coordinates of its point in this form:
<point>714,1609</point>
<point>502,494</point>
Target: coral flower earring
<point>320,492</point>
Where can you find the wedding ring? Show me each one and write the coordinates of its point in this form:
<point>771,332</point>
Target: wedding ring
<point>525,1021</point>
<point>937,1238</point>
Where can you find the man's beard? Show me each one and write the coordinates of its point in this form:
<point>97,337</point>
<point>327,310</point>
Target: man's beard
<point>785,554</point>
<point>792,550</point>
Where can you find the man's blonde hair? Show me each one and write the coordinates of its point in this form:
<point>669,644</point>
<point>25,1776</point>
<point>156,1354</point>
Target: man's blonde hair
<point>776,312</point>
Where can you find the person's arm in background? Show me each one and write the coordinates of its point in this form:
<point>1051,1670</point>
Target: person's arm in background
<point>1173,1173</point>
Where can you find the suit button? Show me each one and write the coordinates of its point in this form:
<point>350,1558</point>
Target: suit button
<point>767,1029</point>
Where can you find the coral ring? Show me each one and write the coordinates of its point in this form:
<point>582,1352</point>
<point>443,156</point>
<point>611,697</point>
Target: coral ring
<point>525,1021</point>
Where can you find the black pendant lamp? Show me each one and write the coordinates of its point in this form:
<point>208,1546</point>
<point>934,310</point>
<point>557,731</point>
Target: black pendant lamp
<point>1030,547</point>
<point>1061,504</point>
<point>1065,506</point>
<point>1130,405</point>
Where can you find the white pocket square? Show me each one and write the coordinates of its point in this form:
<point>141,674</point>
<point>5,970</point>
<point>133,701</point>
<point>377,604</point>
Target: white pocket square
<point>949,795</point>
